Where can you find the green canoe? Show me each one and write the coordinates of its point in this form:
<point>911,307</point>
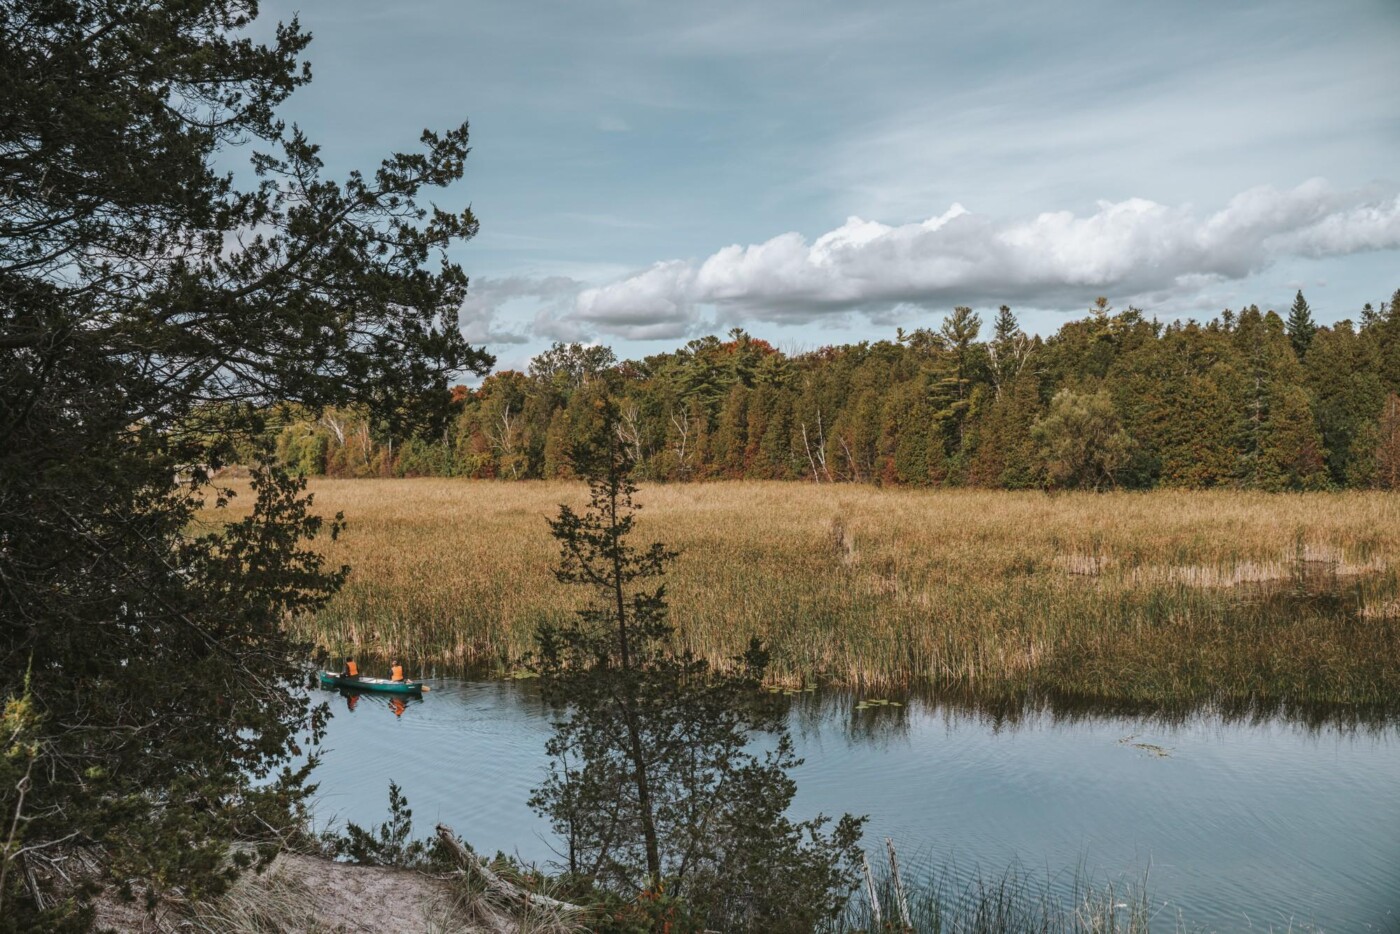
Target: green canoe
<point>330,679</point>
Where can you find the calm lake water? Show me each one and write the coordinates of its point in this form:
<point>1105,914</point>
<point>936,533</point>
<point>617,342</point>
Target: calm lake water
<point>1240,825</point>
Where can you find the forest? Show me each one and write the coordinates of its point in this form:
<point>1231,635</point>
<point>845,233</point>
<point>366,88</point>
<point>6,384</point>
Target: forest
<point>1113,400</point>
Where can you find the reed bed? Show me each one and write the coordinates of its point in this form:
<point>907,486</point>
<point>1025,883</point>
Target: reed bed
<point>1014,902</point>
<point>1160,598</point>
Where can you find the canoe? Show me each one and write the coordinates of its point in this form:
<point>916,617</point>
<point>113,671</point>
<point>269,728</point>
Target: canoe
<point>330,679</point>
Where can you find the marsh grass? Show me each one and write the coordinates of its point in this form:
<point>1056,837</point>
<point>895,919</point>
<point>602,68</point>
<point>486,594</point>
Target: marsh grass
<point>1156,598</point>
<point>1014,902</point>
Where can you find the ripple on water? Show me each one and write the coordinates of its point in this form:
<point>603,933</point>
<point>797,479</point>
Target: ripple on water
<point>1240,823</point>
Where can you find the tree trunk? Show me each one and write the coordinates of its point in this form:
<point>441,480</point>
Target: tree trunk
<point>629,709</point>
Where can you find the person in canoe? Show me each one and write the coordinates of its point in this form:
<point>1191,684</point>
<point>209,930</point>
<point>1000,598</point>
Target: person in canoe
<point>396,671</point>
<point>350,669</point>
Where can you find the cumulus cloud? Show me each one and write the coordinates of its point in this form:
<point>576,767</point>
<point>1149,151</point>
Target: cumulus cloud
<point>1127,248</point>
<point>654,303</point>
<point>479,317</point>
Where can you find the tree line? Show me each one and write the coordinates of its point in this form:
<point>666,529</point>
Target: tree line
<point>1112,400</point>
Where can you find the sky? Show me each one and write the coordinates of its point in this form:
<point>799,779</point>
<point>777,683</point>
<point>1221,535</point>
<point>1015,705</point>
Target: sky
<point>824,172</point>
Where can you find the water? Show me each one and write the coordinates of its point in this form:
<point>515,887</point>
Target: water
<point>1241,824</point>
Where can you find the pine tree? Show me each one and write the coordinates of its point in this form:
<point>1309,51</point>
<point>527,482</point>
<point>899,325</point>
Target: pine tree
<point>1008,351</point>
<point>656,784</point>
<point>1006,327</point>
<point>959,331</point>
<point>1301,327</point>
<point>155,305</point>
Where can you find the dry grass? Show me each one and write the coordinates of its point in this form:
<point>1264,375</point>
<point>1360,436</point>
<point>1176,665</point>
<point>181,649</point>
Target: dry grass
<point>1166,597</point>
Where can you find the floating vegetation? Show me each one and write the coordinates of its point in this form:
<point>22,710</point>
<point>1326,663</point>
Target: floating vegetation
<point>1161,752</point>
<point>869,702</point>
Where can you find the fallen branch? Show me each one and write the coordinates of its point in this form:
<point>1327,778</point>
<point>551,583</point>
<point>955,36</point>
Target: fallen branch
<point>871,890</point>
<point>494,882</point>
<point>900,898</point>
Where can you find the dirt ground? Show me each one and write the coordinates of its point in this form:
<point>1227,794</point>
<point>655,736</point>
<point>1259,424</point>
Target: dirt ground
<point>310,895</point>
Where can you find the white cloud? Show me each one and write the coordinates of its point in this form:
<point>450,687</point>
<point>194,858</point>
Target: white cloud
<point>553,326</point>
<point>654,303</point>
<point>487,298</point>
<point>1129,248</point>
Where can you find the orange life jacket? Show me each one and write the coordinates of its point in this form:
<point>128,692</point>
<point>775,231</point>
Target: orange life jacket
<point>354,669</point>
<point>396,674</point>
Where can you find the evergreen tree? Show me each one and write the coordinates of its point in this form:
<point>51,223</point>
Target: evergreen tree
<point>655,782</point>
<point>959,331</point>
<point>153,313</point>
<point>1291,456</point>
<point>1008,351</point>
<point>905,434</point>
<point>777,457</point>
<point>1346,392</point>
<point>1386,335</point>
<point>1281,447</point>
<point>731,436</point>
<point>1006,451</point>
<point>1386,460</point>
<point>1301,327</point>
<point>1006,327</point>
<point>857,436</point>
<point>1197,432</point>
<point>706,371</point>
<point>757,428</point>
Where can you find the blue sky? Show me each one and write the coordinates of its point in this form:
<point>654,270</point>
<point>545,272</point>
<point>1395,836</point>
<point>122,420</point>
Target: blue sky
<point>823,172</point>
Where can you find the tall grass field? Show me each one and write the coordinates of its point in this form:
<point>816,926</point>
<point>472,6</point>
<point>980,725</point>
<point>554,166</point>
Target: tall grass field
<point>1163,598</point>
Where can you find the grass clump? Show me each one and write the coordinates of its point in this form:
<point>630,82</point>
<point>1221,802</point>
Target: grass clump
<point>1015,902</point>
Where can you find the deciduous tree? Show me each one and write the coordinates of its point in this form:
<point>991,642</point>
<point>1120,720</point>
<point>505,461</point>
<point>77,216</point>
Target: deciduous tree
<point>1081,443</point>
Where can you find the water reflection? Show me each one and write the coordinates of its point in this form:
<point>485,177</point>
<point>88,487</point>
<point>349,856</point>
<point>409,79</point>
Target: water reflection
<point>1240,815</point>
<point>398,704</point>
<point>873,717</point>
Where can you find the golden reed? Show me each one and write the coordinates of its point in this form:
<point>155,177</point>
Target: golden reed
<point>1163,597</point>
